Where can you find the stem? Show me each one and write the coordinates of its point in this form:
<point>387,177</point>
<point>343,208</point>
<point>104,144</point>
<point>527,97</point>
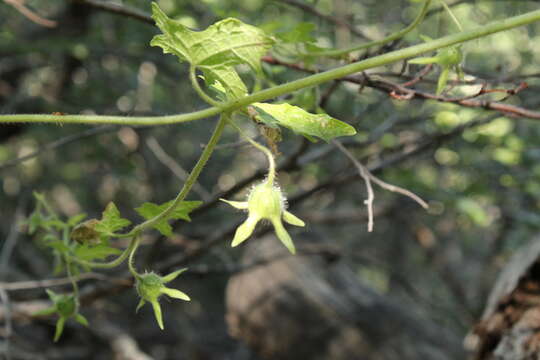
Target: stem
<point>108,265</point>
<point>264,149</point>
<point>449,11</point>
<point>313,80</point>
<point>192,178</point>
<point>392,37</point>
<point>199,90</point>
<point>131,262</point>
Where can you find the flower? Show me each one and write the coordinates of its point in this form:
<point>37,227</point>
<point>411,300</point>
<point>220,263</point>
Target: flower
<point>150,286</point>
<point>66,306</point>
<point>265,202</point>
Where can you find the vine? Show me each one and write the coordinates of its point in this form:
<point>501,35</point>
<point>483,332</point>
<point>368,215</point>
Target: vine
<point>79,245</point>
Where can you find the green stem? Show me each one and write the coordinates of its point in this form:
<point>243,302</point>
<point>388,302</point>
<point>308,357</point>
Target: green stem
<point>264,149</point>
<point>131,262</point>
<point>449,11</point>
<point>199,90</point>
<point>313,80</point>
<point>192,178</point>
<point>108,265</point>
<point>392,37</point>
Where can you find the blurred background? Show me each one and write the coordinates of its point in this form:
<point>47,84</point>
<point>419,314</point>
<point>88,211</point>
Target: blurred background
<point>411,289</point>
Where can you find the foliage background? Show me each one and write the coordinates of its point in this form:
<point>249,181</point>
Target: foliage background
<point>480,171</point>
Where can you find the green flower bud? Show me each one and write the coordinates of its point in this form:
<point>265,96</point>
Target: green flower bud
<point>151,286</point>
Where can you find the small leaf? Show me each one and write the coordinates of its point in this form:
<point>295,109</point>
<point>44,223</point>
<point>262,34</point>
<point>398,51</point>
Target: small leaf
<point>301,33</point>
<point>34,222</point>
<point>150,210</point>
<point>86,233</point>
<point>89,252</point>
<point>111,220</point>
<point>300,121</point>
<point>74,220</point>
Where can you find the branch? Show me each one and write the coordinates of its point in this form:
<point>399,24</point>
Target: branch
<point>118,9</point>
<point>29,14</point>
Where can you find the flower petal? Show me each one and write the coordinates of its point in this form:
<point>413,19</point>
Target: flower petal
<point>157,313</point>
<point>242,205</point>
<point>245,230</point>
<point>292,219</point>
<point>81,320</point>
<point>140,305</point>
<point>48,311</point>
<point>283,235</point>
<point>172,276</point>
<point>177,294</point>
<point>59,328</point>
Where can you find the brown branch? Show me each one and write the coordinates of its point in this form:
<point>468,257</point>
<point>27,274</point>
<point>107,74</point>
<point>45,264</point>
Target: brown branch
<point>332,19</point>
<point>404,93</point>
<point>118,9</point>
<point>29,14</point>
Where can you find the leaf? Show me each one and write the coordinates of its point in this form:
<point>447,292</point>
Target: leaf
<point>300,121</point>
<point>100,252</point>
<point>216,50</point>
<point>301,33</point>
<point>230,83</point>
<point>111,220</point>
<point>74,220</point>
<point>151,210</point>
<point>34,222</point>
<point>85,232</point>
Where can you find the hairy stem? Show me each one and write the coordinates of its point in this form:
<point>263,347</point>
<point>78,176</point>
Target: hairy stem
<point>264,149</point>
<point>192,178</point>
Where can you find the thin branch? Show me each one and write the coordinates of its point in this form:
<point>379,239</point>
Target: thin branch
<point>58,143</point>
<point>29,14</point>
<point>174,167</point>
<point>118,9</point>
<point>366,176</point>
<point>332,19</point>
<point>38,284</point>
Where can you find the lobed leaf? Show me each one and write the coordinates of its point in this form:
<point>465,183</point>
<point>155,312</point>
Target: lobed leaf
<point>111,220</point>
<point>300,121</point>
<point>150,210</point>
<point>216,50</point>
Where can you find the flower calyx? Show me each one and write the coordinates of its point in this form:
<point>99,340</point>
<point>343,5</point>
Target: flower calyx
<point>66,306</point>
<point>150,286</point>
<point>265,202</point>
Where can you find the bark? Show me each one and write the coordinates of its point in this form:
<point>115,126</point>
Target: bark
<point>510,326</point>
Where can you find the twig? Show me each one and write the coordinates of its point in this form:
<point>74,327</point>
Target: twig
<point>364,174</point>
<point>175,168</point>
<point>118,9</point>
<point>335,20</point>
<point>368,177</point>
<point>58,143</point>
<point>29,14</point>
<point>36,284</point>
<point>7,322</point>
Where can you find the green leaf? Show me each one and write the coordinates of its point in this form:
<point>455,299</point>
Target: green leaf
<point>225,81</point>
<point>300,121</point>
<point>111,220</point>
<point>301,33</point>
<point>100,252</point>
<point>74,220</point>
<point>151,210</point>
<point>34,222</point>
<point>59,328</point>
<point>216,50</point>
